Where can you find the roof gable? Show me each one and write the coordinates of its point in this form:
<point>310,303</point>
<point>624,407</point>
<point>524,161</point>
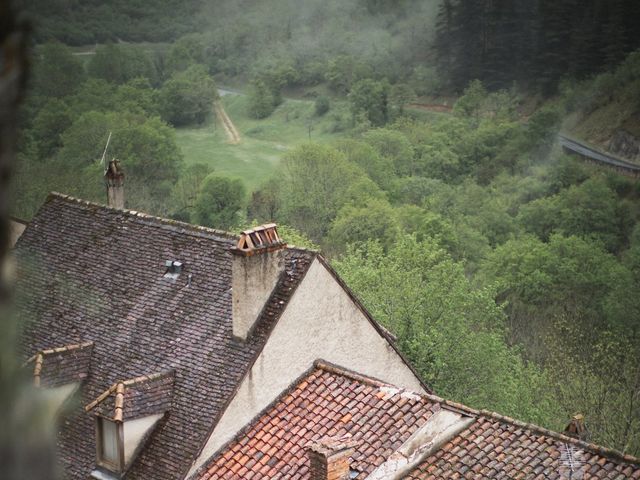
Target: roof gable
<point>326,402</point>
<point>59,366</point>
<point>135,398</point>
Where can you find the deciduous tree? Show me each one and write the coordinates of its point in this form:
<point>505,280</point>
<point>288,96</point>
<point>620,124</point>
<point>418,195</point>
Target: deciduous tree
<point>219,202</point>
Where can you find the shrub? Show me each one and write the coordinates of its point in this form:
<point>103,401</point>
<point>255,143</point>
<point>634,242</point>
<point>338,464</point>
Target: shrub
<point>322,105</point>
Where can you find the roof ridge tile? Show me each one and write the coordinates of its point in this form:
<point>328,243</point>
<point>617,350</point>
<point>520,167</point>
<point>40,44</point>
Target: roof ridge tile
<point>167,222</point>
<point>119,387</point>
<point>344,372</point>
<point>594,448</point>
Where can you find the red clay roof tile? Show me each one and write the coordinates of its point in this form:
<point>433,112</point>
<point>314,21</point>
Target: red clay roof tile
<point>323,397</point>
<point>383,418</point>
<point>502,449</point>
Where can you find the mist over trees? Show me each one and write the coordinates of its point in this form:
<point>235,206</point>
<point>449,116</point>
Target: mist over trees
<point>93,21</point>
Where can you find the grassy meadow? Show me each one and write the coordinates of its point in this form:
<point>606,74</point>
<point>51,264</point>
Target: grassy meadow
<point>263,142</point>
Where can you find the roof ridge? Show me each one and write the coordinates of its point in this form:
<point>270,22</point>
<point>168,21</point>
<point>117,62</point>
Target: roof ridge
<point>303,249</point>
<point>595,448</point>
<point>65,348</point>
<point>145,216</point>
<point>167,222</point>
<point>329,367</point>
<point>359,377</point>
<point>39,357</point>
<point>119,386</point>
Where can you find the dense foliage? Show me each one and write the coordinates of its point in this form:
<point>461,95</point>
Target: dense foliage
<point>534,43</point>
<point>506,269</point>
<point>92,21</point>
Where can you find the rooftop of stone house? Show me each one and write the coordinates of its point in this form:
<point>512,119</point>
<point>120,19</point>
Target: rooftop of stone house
<point>100,306</point>
<point>394,433</point>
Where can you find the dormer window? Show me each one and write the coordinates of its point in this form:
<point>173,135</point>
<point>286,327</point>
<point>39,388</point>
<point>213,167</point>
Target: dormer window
<point>109,444</point>
<point>126,414</point>
<point>60,371</point>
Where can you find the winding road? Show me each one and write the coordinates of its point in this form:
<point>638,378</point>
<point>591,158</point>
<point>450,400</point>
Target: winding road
<point>575,147</point>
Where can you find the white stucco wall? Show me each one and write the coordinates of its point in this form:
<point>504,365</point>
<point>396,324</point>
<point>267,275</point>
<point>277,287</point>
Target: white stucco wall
<point>57,396</point>
<point>320,322</point>
<point>15,231</point>
<point>134,432</point>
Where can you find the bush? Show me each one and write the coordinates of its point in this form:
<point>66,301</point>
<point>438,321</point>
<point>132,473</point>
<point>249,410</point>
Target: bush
<point>219,202</point>
<point>261,103</point>
<point>322,105</point>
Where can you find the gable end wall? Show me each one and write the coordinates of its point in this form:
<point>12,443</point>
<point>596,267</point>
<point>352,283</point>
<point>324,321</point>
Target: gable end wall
<point>320,322</point>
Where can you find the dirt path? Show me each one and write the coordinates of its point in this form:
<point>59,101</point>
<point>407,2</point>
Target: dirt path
<point>431,107</point>
<point>229,128</point>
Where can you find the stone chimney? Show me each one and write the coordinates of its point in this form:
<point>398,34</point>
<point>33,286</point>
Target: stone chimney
<point>576,428</point>
<point>330,458</point>
<point>258,262</point>
<point>114,180</point>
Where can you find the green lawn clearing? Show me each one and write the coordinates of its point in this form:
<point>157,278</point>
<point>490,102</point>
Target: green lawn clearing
<point>263,142</point>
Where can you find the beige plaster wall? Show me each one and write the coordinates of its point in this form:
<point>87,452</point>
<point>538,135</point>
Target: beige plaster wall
<point>134,432</point>
<point>253,278</point>
<point>15,230</point>
<point>320,322</point>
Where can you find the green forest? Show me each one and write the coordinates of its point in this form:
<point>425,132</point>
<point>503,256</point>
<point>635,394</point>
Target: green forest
<point>413,142</point>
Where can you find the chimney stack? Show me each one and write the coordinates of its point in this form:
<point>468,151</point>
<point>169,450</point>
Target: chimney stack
<point>330,458</point>
<point>576,428</point>
<point>258,262</point>
<point>114,179</point>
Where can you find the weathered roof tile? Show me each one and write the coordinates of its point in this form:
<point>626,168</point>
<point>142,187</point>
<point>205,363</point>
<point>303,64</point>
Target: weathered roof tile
<point>315,408</point>
<point>383,418</point>
<point>500,447</point>
<point>87,272</point>
<point>58,366</point>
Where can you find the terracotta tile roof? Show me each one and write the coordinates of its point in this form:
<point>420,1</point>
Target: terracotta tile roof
<point>330,402</point>
<point>54,367</point>
<point>87,272</point>
<point>136,397</point>
<point>495,446</point>
<point>327,402</point>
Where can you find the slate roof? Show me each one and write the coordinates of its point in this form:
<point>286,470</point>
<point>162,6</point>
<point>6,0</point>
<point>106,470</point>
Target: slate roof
<point>326,402</point>
<point>61,365</point>
<point>91,273</point>
<point>135,398</point>
<point>332,402</point>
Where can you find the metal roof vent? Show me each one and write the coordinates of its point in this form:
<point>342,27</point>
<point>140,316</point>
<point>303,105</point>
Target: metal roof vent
<point>261,239</point>
<point>174,269</point>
